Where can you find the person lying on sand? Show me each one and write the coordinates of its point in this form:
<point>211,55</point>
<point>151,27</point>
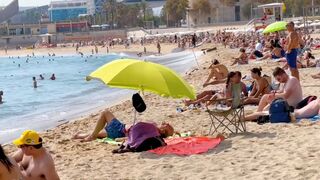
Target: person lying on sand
<point>276,53</point>
<point>241,59</point>
<point>261,87</point>
<point>109,126</point>
<point>233,82</point>
<point>34,160</point>
<point>291,91</point>
<point>145,136</point>
<point>218,74</point>
<point>9,169</point>
<point>310,110</point>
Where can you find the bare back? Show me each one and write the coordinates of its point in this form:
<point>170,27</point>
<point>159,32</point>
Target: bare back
<point>13,174</point>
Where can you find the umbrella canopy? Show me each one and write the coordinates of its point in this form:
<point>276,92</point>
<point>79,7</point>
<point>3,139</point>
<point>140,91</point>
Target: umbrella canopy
<point>143,76</point>
<point>276,26</point>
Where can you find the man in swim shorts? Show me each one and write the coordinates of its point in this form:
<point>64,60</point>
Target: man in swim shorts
<point>293,43</point>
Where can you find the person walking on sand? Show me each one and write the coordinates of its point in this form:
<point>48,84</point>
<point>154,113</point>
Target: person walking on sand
<point>293,43</point>
<point>35,84</point>
<point>9,169</point>
<point>34,160</point>
<point>159,47</point>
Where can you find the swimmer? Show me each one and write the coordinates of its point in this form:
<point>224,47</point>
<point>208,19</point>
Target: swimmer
<point>41,77</point>
<point>35,85</point>
<point>1,94</point>
<point>53,77</point>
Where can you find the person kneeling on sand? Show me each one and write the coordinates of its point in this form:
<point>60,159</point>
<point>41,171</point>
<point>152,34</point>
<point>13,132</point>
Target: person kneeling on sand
<point>219,74</point>
<point>109,126</point>
<point>291,92</point>
<point>34,160</point>
<point>9,169</point>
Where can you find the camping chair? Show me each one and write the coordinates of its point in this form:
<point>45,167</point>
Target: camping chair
<point>231,118</point>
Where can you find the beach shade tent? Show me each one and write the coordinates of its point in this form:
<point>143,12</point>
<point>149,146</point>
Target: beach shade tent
<point>276,26</point>
<point>143,76</point>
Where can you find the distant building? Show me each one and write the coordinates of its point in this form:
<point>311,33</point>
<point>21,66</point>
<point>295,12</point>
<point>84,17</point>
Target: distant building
<point>151,3</point>
<point>66,10</point>
<point>95,6</point>
<point>9,11</point>
<point>31,15</point>
<point>218,13</point>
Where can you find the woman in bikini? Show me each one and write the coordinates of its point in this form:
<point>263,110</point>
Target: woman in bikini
<point>242,59</point>
<point>261,87</point>
<point>218,74</point>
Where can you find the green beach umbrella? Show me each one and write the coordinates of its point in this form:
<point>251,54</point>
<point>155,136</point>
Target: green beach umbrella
<point>276,26</point>
<point>143,76</point>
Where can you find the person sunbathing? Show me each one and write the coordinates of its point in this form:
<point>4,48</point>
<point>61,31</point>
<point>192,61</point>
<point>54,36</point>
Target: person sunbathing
<point>276,53</point>
<point>218,74</point>
<point>241,59</point>
<point>34,160</point>
<point>261,87</point>
<point>233,83</point>
<point>310,110</point>
<point>9,169</point>
<point>109,126</point>
<point>291,91</point>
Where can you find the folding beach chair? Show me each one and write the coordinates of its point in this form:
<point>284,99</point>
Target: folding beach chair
<point>230,118</point>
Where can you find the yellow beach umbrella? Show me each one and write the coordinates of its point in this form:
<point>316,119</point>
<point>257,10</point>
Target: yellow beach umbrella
<point>276,26</point>
<point>143,76</point>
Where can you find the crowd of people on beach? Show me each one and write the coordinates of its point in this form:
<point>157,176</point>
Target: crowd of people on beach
<point>33,161</point>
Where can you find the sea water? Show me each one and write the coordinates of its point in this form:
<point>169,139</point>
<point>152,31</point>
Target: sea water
<point>69,96</point>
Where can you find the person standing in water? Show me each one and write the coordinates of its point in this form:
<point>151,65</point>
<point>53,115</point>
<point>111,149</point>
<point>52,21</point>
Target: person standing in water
<point>1,94</point>
<point>53,77</point>
<point>293,43</point>
<point>35,84</point>
<point>9,169</point>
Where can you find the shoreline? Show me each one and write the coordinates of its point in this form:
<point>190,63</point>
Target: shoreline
<point>90,111</point>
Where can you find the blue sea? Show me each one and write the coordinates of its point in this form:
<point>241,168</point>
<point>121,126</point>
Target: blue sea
<point>69,96</point>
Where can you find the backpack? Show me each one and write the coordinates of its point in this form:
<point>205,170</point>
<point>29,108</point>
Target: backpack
<point>138,103</point>
<point>279,111</point>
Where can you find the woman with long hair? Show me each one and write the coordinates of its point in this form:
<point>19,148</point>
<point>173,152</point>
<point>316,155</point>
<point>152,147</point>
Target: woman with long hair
<point>9,169</point>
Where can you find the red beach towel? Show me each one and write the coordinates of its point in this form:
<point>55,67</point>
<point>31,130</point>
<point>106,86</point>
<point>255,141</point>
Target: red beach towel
<point>187,145</point>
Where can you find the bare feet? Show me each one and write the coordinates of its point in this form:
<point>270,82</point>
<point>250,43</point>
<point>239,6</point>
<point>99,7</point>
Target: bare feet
<point>88,139</point>
<point>79,135</point>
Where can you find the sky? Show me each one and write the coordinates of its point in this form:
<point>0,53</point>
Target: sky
<point>26,2</point>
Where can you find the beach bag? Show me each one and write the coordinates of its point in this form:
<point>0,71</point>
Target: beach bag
<point>306,101</point>
<point>138,103</point>
<point>279,111</point>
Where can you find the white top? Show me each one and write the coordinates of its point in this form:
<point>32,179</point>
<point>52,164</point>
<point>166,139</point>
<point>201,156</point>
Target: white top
<point>259,47</point>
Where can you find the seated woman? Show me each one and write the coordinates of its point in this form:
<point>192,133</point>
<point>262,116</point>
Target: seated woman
<point>9,169</point>
<point>310,59</point>
<point>242,58</point>
<point>310,110</point>
<point>218,74</point>
<point>261,87</point>
<point>109,126</point>
<point>145,136</point>
<point>234,86</point>
<point>276,53</point>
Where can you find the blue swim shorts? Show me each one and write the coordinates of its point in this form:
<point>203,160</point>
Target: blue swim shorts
<point>115,129</point>
<point>292,58</point>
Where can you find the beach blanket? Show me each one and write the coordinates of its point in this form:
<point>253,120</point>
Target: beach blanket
<point>109,141</point>
<point>187,145</point>
<point>313,119</point>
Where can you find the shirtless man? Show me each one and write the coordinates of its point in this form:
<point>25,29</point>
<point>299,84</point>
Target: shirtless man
<point>34,160</point>
<point>219,73</point>
<point>9,169</point>
<point>292,46</point>
<point>291,91</point>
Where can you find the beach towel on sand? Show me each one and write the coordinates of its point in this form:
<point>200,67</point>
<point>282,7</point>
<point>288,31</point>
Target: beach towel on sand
<point>187,145</point>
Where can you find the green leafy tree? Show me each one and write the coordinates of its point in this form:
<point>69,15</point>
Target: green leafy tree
<point>174,11</point>
<point>203,6</point>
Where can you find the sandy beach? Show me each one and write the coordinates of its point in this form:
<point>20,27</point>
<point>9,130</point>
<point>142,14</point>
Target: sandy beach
<point>269,151</point>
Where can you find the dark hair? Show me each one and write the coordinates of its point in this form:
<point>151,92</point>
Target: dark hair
<point>34,78</point>
<point>215,62</point>
<point>278,71</point>
<point>256,71</point>
<point>310,55</point>
<point>238,73</point>
<point>230,75</point>
<point>5,160</point>
<point>242,50</point>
